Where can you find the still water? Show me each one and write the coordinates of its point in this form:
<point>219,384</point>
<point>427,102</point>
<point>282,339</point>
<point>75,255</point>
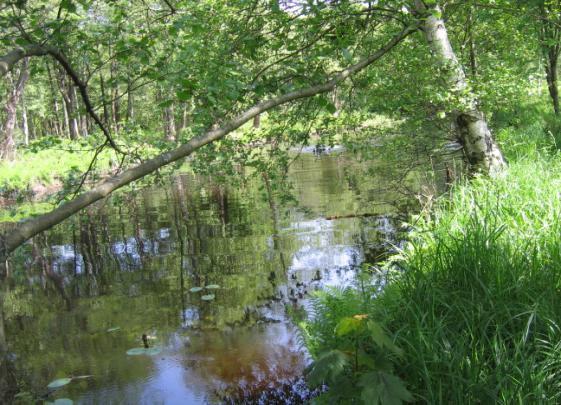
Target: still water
<point>208,272</point>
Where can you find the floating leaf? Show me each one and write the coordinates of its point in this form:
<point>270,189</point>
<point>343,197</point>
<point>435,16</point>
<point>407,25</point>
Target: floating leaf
<point>61,382</point>
<point>63,401</point>
<point>212,287</point>
<point>208,297</point>
<point>114,329</point>
<point>138,351</point>
<point>196,289</point>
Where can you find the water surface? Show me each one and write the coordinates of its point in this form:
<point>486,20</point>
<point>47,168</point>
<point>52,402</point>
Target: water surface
<point>84,293</point>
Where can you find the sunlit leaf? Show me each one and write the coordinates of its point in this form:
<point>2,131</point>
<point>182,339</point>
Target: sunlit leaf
<point>208,297</point>
<point>212,286</point>
<point>347,325</point>
<point>196,289</point>
<point>61,382</point>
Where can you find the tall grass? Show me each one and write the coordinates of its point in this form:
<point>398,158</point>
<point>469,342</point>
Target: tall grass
<point>476,306</point>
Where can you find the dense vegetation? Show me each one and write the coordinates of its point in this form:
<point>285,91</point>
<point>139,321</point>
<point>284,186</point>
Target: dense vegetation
<point>470,309</point>
<point>117,90</point>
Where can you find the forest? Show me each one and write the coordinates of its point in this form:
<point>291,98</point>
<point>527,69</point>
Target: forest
<point>280,201</point>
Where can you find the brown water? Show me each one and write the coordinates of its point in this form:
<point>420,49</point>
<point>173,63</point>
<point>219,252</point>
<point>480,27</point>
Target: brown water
<point>81,295</point>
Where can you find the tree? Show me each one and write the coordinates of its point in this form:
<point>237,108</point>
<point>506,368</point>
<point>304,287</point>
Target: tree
<point>26,230</point>
<point>474,134</point>
<point>8,145</point>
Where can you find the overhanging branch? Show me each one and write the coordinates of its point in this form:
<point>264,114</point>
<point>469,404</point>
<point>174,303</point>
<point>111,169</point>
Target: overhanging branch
<point>25,230</point>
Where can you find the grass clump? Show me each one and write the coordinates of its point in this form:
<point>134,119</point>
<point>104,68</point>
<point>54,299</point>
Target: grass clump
<point>475,306</point>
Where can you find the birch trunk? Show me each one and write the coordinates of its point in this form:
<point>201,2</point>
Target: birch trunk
<point>480,149</point>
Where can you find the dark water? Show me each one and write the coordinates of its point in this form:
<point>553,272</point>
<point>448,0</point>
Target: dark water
<point>81,295</point>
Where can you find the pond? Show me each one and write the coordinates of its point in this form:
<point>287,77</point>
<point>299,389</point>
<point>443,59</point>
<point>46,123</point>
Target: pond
<point>209,273</point>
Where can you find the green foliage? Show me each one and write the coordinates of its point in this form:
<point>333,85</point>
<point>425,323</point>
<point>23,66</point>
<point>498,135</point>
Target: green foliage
<point>360,353</point>
<point>473,301</point>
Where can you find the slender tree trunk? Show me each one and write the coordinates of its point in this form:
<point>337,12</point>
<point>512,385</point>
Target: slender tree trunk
<point>8,145</point>
<point>65,102</point>
<point>184,117</point>
<point>104,100</point>
<point>73,112</point>
<point>472,53</point>
<point>115,105</point>
<point>168,119</point>
<point>481,151</point>
<point>169,122</point>
<point>551,77</point>
<point>24,122</point>
<point>56,121</point>
<point>130,101</point>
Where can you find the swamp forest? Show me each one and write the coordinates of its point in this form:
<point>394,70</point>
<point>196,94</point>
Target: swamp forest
<point>280,202</point>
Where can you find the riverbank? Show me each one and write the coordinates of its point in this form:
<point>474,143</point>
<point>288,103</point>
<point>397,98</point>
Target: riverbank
<point>471,312</point>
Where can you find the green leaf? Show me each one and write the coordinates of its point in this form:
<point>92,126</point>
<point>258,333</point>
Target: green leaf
<point>381,338</point>
<point>208,297</point>
<point>347,325</point>
<point>196,289</point>
<point>61,382</point>
<point>137,351</point>
<point>212,287</point>
<point>326,368</point>
<point>63,401</point>
<point>383,388</point>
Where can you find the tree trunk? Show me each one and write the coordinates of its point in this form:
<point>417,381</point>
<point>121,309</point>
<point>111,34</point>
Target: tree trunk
<point>8,145</point>
<point>130,101</point>
<point>104,100</point>
<point>24,122</point>
<point>472,53</point>
<point>73,112</point>
<point>115,105</point>
<point>169,124</point>
<point>551,77</point>
<point>480,149</point>
<point>56,121</point>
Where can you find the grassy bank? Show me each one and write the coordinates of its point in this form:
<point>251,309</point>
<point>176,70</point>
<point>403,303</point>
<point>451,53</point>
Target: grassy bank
<point>473,310</point>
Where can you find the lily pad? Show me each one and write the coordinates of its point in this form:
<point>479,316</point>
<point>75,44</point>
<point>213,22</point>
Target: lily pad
<point>114,329</point>
<point>63,401</point>
<point>208,297</point>
<point>61,382</point>
<point>60,401</point>
<point>212,287</point>
<point>138,351</point>
<point>196,289</point>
